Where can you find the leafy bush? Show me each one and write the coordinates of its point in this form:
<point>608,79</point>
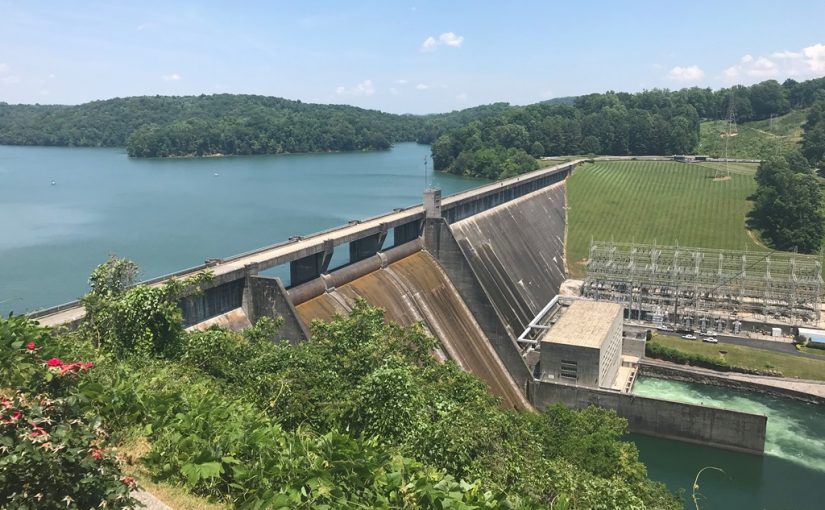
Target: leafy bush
<point>362,415</point>
<point>53,449</point>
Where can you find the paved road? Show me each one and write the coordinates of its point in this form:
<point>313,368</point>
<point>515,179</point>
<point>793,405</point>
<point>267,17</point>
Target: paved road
<point>768,345</point>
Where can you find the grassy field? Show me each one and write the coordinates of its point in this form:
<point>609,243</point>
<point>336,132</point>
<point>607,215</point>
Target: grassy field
<point>657,201</point>
<point>788,364</point>
<point>755,140</point>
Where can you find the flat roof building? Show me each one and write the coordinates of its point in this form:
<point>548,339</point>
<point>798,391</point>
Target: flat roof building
<point>584,347</point>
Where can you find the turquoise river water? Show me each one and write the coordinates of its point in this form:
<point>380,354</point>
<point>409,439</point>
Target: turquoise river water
<point>791,475</point>
<point>64,210</point>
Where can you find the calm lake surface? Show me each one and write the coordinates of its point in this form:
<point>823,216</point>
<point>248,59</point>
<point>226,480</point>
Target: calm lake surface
<point>167,215</point>
<point>791,475</point>
<point>170,214</point>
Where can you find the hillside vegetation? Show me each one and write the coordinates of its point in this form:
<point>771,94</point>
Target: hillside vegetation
<point>360,416</point>
<point>652,122</point>
<point>157,126</point>
<point>657,201</point>
<point>759,139</point>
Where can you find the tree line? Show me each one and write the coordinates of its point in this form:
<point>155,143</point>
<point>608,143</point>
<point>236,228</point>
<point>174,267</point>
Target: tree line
<point>787,204</point>
<point>159,126</point>
<point>616,123</point>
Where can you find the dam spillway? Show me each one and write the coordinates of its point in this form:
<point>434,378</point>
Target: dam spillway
<point>517,252</point>
<point>416,290</point>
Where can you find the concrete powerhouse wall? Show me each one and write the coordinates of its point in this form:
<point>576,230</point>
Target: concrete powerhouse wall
<point>710,426</point>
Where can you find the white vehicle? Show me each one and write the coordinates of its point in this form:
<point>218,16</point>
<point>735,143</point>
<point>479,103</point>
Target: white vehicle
<point>689,337</point>
<point>663,328</point>
<point>710,340</point>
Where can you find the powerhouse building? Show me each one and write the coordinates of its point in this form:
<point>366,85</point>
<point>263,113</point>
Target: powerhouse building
<point>584,347</point>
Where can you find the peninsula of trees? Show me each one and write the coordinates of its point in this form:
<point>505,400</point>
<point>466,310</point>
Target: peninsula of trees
<point>163,126</point>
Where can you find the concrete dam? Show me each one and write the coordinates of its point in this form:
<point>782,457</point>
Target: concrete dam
<point>473,268</point>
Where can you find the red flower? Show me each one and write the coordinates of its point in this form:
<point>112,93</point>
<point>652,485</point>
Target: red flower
<point>30,346</point>
<point>88,365</point>
<point>16,416</point>
<point>38,431</point>
<point>5,403</point>
<point>54,362</point>
<point>97,454</point>
<point>128,481</point>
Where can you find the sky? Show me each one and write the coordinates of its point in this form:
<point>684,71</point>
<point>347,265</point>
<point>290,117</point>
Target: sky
<point>400,57</point>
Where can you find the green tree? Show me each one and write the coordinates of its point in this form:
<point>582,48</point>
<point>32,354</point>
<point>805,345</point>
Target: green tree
<point>787,207</point>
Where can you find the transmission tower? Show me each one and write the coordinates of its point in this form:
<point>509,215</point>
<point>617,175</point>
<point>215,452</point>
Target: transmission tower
<point>731,131</point>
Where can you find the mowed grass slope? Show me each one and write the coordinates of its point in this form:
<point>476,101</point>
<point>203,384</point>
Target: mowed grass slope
<point>657,201</point>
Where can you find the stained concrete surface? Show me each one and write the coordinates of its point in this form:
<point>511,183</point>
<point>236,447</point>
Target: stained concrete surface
<point>416,289</point>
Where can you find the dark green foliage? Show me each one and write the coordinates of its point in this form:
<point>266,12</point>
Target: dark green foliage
<point>52,451</point>
<point>653,122</point>
<point>360,416</point>
<point>162,126</point>
<point>141,320</point>
<point>787,205</point>
<point>813,142</point>
<point>650,122</point>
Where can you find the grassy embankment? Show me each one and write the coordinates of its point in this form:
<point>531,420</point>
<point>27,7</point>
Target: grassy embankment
<point>755,140</point>
<point>788,364</point>
<point>657,201</point>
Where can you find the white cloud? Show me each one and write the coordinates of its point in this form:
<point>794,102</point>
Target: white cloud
<point>547,94</point>
<point>4,68</point>
<point>11,79</point>
<point>422,86</point>
<point>51,76</point>
<point>171,77</point>
<point>689,73</point>
<point>785,54</point>
<point>446,39</point>
<point>808,62</point>
<point>814,58</point>
<point>450,39</point>
<point>365,88</point>
<point>429,44</point>
<point>402,82</point>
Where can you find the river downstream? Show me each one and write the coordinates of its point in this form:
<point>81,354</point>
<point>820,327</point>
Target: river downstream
<point>787,477</point>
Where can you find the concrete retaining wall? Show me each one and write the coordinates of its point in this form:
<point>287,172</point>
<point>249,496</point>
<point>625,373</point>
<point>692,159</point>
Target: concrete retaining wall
<point>266,297</point>
<point>721,428</point>
<point>633,347</point>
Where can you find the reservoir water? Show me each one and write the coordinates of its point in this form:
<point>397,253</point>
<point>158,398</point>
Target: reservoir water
<point>791,475</point>
<point>64,210</point>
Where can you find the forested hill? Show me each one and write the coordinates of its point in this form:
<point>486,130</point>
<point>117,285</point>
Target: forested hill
<point>158,126</point>
<point>614,123</point>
